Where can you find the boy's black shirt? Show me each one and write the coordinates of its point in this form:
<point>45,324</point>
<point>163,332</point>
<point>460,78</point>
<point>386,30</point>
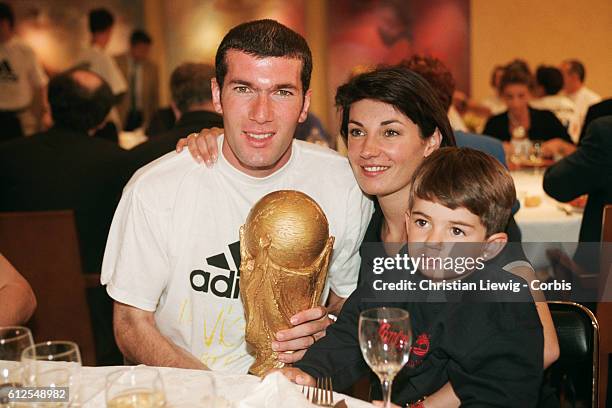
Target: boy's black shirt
<point>491,352</point>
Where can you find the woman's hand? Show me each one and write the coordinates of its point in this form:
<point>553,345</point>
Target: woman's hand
<point>202,146</point>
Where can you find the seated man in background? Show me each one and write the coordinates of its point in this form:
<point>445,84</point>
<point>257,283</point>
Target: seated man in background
<point>66,168</point>
<point>192,106</point>
<point>17,301</point>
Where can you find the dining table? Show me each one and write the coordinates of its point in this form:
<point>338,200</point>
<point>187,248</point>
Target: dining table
<point>545,223</point>
<point>207,389</point>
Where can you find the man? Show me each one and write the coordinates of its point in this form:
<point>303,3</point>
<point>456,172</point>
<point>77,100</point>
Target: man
<point>573,86</point>
<point>192,105</point>
<point>142,98</point>
<point>603,108</point>
<point>65,168</point>
<point>22,82</point>
<point>94,58</point>
<point>549,82</point>
<point>586,171</point>
<point>172,255</point>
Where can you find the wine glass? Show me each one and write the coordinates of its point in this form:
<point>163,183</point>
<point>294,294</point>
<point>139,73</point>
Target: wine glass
<point>53,364</point>
<point>135,387</point>
<point>13,340</point>
<point>385,338</point>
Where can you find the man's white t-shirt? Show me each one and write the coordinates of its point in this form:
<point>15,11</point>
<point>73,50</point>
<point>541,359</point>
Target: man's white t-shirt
<point>173,247</point>
<point>20,75</point>
<point>104,65</point>
<point>583,98</point>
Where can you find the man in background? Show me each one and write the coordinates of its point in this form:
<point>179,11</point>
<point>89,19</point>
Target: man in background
<point>142,99</point>
<point>66,168</point>
<point>573,86</point>
<point>22,82</point>
<point>192,106</point>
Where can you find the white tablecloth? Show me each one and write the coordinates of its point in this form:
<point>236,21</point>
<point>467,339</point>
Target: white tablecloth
<point>191,388</point>
<point>546,225</point>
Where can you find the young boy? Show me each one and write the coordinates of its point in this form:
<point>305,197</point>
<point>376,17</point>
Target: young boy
<point>491,352</point>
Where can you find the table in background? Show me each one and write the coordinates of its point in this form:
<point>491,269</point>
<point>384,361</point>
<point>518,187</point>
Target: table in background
<point>186,388</point>
<point>547,225</point>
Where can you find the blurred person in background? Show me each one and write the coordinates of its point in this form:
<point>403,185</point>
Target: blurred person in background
<point>22,83</point>
<point>549,82</point>
<point>142,99</point>
<point>494,102</point>
<point>17,301</point>
<point>574,75</point>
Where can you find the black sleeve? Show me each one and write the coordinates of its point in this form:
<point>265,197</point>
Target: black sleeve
<point>337,355</point>
<point>585,170</point>
<point>495,128</point>
<point>553,128</point>
<point>505,368</point>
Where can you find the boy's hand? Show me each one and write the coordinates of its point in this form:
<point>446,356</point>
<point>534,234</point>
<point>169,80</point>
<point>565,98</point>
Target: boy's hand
<point>308,326</point>
<point>297,376</point>
<point>202,146</point>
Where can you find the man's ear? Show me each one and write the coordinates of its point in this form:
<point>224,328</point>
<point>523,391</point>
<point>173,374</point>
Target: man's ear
<point>494,245</point>
<point>407,220</point>
<point>305,106</point>
<point>433,142</point>
<point>216,96</point>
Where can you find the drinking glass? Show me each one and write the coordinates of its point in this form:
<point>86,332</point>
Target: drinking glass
<point>135,387</point>
<point>13,340</point>
<point>385,337</point>
<point>53,364</point>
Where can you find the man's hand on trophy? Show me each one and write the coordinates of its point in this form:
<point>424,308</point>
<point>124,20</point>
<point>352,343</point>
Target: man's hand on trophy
<point>297,376</point>
<point>308,326</point>
<point>202,146</point>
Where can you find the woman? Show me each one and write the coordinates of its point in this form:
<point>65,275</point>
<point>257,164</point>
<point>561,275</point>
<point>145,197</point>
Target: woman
<point>391,120</point>
<point>520,120</point>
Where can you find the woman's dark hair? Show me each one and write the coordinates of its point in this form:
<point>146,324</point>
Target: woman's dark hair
<point>402,88</point>
<point>263,39</point>
<point>515,75</point>
<point>77,106</point>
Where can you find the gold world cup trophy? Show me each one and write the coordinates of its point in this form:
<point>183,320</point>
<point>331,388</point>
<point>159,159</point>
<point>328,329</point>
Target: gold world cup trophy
<point>285,249</point>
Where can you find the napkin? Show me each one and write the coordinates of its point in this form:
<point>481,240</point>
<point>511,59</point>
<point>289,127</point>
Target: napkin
<point>275,391</point>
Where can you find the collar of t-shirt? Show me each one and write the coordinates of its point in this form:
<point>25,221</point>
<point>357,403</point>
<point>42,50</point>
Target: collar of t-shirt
<point>229,170</point>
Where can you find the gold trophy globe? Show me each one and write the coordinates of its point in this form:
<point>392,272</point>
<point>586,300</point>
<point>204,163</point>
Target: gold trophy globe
<point>285,250</point>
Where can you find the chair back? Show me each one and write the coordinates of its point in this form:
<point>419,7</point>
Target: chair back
<point>44,248</point>
<point>575,375</point>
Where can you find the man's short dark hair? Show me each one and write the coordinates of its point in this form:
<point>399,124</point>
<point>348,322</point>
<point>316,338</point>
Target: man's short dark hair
<point>6,13</point>
<point>140,37</point>
<point>190,85</point>
<point>263,39</point>
<point>100,19</point>
<point>462,177</point>
<point>436,74</point>
<point>78,107</point>
<point>550,79</point>
<point>576,67</point>
<point>406,91</point>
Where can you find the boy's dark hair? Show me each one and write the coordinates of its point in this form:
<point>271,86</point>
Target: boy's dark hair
<point>402,88</point>
<point>190,84</point>
<point>78,107</point>
<point>263,39</point>
<point>515,75</point>
<point>140,37</point>
<point>6,13</point>
<point>577,68</point>
<point>550,79</point>
<point>100,19</point>
<point>462,177</point>
<point>436,74</point>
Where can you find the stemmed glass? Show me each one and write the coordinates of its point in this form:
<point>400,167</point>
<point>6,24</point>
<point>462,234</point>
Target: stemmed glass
<point>53,364</point>
<point>13,340</point>
<point>385,337</point>
<point>135,387</point>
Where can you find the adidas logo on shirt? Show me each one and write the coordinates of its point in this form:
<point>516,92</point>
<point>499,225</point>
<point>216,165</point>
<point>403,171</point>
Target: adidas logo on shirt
<point>220,285</point>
